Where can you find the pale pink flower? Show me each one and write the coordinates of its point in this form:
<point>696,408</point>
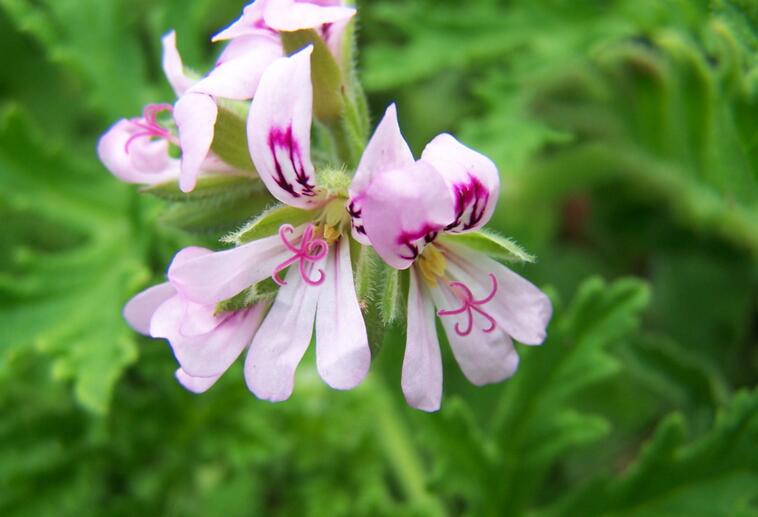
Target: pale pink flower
<point>138,150</point>
<point>328,18</point>
<point>403,207</point>
<point>318,286</point>
<point>205,342</point>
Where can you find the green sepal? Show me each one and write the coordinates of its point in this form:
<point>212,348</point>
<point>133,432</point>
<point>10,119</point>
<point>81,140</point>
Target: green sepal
<point>230,135</point>
<point>367,268</point>
<point>262,291</point>
<point>491,244</point>
<point>391,308</point>
<point>220,213</point>
<point>268,223</point>
<point>326,75</point>
<point>208,187</point>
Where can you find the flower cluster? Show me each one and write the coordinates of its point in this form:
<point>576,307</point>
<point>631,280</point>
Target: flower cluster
<point>284,79</point>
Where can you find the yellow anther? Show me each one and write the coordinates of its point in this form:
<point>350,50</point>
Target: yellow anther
<point>432,265</point>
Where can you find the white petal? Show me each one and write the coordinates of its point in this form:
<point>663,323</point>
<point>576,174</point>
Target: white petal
<point>218,276</point>
<point>282,340</point>
<point>139,310</point>
<point>173,66</point>
<point>195,384</point>
<point>195,116</point>
<point>422,364</point>
<point>343,356</point>
<point>519,308</point>
<point>484,357</point>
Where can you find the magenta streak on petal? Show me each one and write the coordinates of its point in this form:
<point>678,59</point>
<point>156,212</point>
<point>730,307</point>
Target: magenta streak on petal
<point>326,29</point>
<point>473,195</point>
<point>355,215</point>
<point>470,305</point>
<point>284,139</point>
<point>311,250</point>
<point>151,128</point>
<point>428,232</point>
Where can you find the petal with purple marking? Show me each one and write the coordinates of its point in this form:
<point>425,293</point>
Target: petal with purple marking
<point>195,115</point>
<point>403,210</point>
<point>387,150</point>
<point>343,356</point>
<point>471,176</point>
<point>422,364</point>
<point>279,131</point>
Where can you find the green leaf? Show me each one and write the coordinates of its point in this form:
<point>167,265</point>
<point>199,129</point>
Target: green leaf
<point>715,475</point>
<point>268,223</point>
<point>209,187</point>
<point>490,244</point>
<point>535,422</point>
<point>70,262</point>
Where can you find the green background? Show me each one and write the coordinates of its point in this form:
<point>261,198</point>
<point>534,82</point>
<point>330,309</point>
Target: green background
<point>627,137</point>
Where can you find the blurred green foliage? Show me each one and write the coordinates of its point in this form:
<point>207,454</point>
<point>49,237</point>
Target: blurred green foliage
<point>627,135</point>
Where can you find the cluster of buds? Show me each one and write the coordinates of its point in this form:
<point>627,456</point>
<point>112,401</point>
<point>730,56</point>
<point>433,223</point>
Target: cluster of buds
<point>356,230</point>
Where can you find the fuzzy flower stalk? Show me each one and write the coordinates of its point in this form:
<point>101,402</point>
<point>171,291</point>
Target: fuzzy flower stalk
<point>269,150</point>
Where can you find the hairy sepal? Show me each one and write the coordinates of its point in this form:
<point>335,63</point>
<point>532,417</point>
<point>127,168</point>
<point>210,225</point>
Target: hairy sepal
<point>491,244</point>
<point>269,222</point>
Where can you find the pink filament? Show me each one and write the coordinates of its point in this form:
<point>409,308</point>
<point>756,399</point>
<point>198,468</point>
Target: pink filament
<point>469,306</point>
<point>311,250</point>
<point>150,127</point>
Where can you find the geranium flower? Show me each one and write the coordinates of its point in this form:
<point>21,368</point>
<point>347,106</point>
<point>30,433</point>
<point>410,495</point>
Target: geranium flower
<point>271,17</point>
<point>205,342</point>
<point>315,249</point>
<point>137,150</point>
<point>410,212</point>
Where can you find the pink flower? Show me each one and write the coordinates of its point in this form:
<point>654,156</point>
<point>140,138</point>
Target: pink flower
<point>205,343</point>
<point>404,208</point>
<point>267,18</point>
<point>318,286</point>
<point>138,150</point>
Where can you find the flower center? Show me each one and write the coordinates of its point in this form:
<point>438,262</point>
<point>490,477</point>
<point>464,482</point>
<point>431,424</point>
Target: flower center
<point>432,264</point>
<point>334,220</point>
<point>470,305</point>
<point>311,250</point>
<point>149,127</point>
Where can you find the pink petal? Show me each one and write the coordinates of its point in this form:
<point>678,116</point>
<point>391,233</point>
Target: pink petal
<point>144,161</point>
<point>472,177</point>
<point>422,364</point>
<point>240,68</point>
<point>484,357</point>
<point>386,150</point>
<point>139,310</point>
<point>290,15</point>
<point>213,353</point>
<point>249,24</point>
<point>282,340</point>
<point>520,308</point>
<point>219,276</point>
<point>403,210</point>
<point>195,384</point>
<point>343,356</point>
<point>279,131</point>
<point>195,116</point>
<point>173,66</point>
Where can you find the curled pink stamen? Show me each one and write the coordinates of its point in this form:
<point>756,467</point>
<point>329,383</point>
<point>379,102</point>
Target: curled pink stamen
<point>469,306</point>
<point>150,127</point>
<point>310,251</point>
